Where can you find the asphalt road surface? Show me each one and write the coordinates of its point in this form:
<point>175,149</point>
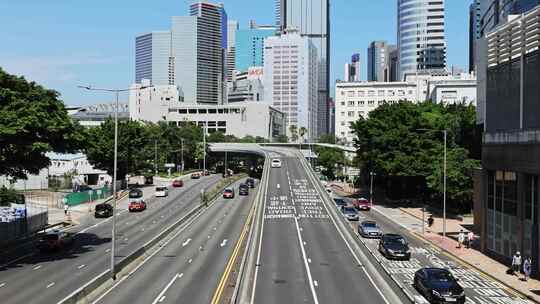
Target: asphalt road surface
<point>48,278</point>
<point>303,259</point>
<point>188,269</point>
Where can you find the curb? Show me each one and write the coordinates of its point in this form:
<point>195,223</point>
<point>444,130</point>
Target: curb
<point>469,265</point>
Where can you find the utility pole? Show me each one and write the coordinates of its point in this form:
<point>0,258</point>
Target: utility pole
<point>444,186</point>
<point>182,148</point>
<point>371,189</point>
<point>204,147</point>
<point>155,158</point>
<point>225,165</point>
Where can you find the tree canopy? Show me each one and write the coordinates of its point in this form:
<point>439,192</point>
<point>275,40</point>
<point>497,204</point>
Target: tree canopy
<point>33,121</point>
<point>396,140</point>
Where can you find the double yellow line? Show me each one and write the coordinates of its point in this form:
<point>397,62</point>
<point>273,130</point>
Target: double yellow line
<point>225,277</point>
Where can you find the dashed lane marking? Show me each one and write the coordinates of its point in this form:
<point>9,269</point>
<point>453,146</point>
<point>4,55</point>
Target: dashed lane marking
<point>2,284</point>
<point>37,267</point>
<point>184,244</point>
<point>81,266</point>
<point>50,285</point>
<point>223,243</point>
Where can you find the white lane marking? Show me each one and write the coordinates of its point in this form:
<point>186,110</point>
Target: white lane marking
<point>50,285</point>
<point>81,266</point>
<point>305,243</point>
<point>184,244</point>
<point>189,261</point>
<point>223,243</point>
<point>301,229</point>
<point>315,283</point>
<point>2,284</point>
<point>162,293</point>
<point>278,186</point>
<point>309,261</point>
<point>108,250</point>
<point>37,267</point>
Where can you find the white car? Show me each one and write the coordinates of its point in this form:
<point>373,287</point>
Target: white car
<point>276,163</point>
<point>162,191</point>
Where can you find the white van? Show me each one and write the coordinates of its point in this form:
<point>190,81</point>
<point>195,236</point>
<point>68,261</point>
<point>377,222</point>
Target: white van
<point>276,163</point>
<point>162,191</point>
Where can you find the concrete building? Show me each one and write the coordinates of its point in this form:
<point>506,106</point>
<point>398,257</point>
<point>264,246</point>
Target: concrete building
<point>444,87</point>
<point>232,29</point>
<point>357,99</point>
<point>508,188</point>
<point>153,58</point>
<point>291,80</point>
<point>149,103</point>
<point>393,65</point>
<point>352,69</point>
<point>378,61</point>
<point>420,36</point>
<point>191,55</point>
<point>311,19</point>
<point>250,46</point>
<point>95,115</point>
<point>246,86</point>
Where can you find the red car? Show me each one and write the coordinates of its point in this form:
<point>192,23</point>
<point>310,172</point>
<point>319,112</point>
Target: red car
<point>228,193</point>
<point>362,204</point>
<point>138,205</point>
<point>177,183</point>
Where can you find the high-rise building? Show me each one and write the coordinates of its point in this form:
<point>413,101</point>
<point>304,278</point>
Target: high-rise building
<point>378,63</point>
<point>250,47</point>
<point>232,29</point>
<point>508,186</point>
<point>420,36</point>
<point>474,31</point>
<point>191,55</point>
<point>153,58</point>
<point>393,66</point>
<point>352,69</point>
<point>311,19</point>
<point>291,80</point>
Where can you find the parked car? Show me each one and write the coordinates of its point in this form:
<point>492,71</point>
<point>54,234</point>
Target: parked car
<point>340,202</point>
<point>177,183</point>
<point>137,205</point>
<point>135,193</point>
<point>228,193</point>
<point>195,175</point>
<point>243,189</point>
<point>276,163</point>
<point>369,229</point>
<point>350,213</point>
<point>250,182</point>
<point>438,285</point>
<point>162,191</point>
<point>362,204</point>
<point>55,240</point>
<point>103,210</point>
<point>394,246</point>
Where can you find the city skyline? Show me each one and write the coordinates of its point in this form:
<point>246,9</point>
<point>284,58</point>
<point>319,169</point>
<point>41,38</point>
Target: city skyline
<point>101,49</point>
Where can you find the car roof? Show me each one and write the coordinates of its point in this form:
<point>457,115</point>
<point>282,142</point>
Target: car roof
<point>369,222</point>
<point>393,235</point>
<point>435,270</point>
<point>228,189</point>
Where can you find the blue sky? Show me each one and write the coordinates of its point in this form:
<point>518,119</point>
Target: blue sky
<point>64,43</point>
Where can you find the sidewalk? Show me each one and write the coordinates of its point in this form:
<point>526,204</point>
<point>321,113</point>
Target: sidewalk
<point>411,219</point>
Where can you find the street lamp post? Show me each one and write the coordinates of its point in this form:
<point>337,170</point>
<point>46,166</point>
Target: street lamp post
<point>115,166</point>
<point>371,174</point>
<point>204,147</point>
<point>182,153</point>
<point>445,132</point>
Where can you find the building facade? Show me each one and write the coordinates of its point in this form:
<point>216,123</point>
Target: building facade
<point>95,115</point>
<point>352,69</point>
<point>421,36</point>
<point>311,19</point>
<point>153,58</point>
<point>232,29</point>
<point>291,80</point>
<point>149,103</point>
<point>378,61</point>
<point>357,99</point>
<point>246,86</point>
<point>509,187</point>
<point>250,47</point>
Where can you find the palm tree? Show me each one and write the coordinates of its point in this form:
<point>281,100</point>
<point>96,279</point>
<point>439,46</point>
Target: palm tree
<point>294,133</point>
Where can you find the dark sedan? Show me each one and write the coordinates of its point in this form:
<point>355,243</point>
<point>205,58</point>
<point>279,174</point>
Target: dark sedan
<point>438,285</point>
<point>103,210</point>
<point>243,189</point>
<point>394,246</point>
<point>340,202</point>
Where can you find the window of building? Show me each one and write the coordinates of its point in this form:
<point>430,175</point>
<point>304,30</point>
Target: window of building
<point>182,111</point>
<point>202,111</point>
<point>212,123</point>
<point>371,103</point>
<point>401,93</point>
<point>360,93</point>
<point>380,92</point>
<point>342,113</point>
<point>350,93</point>
<point>361,102</point>
<point>222,123</point>
<point>192,111</point>
<point>343,103</point>
<point>391,93</point>
<point>342,123</point>
<point>350,114</point>
<point>212,111</point>
<point>351,103</point>
<point>371,93</point>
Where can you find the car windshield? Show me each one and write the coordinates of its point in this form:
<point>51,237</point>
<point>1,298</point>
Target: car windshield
<point>440,275</point>
<point>369,225</point>
<point>50,237</point>
<point>395,240</point>
<point>339,201</point>
<point>101,207</point>
<point>349,210</point>
<point>228,191</point>
<point>161,188</point>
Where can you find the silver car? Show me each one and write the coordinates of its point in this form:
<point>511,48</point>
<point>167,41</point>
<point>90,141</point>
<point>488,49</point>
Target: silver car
<point>369,229</point>
<point>350,213</point>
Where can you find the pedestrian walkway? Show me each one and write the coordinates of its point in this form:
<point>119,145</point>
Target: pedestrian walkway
<point>411,219</point>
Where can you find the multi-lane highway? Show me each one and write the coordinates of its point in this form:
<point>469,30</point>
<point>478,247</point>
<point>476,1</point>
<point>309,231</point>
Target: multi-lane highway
<point>303,256</point>
<point>48,278</point>
<point>189,267</point>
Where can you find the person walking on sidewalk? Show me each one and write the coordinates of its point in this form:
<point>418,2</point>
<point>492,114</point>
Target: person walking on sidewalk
<point>461,238</point>
<point>66,209</point>
<point>527,265</point>
<point>470,239</point>
<point>430,220</point>
<point>516,263</point>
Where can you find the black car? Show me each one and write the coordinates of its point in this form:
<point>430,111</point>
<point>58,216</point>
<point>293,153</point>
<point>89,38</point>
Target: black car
<point>135,193</point>
<point>250,182</point>
<point>394,246</point>
<point>340,202</point>
<point>103,210</point>
<point>243,189</point>
<point>438,285</point>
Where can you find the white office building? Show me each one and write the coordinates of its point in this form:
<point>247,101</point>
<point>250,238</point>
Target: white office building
<point>420,36</point>
<point>153,59</point>
<point>291,80</point>
<point>150,103</point>
<point>246,86</point>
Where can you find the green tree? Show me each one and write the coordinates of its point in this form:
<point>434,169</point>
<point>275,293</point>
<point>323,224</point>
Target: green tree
<point>33,121</point>
<point>294,133</point>
<point>303,131</point>
<point>282,139</point>
<point>330,159</point>
<point>327,139</point>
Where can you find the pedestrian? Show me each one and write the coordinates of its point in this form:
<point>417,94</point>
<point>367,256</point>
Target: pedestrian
<point>527,265</point>
<point>430,220</point>
<point>470,239</point>
<point>516,263</point>
<point>461,238</point>
<point>66,208</point>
